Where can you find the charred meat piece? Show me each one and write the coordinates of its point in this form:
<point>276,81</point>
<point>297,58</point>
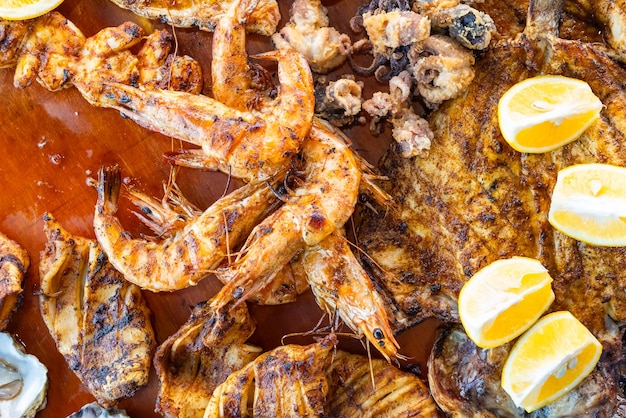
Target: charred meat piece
<point>99,321</point>
<point>14,262</point>
<point>207,349</point>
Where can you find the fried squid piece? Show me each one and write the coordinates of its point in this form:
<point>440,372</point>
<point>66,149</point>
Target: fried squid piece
<point>395,393</point>
<point>99,321</point>
<point>309,33</point>
<point>200,355</point>
<point>287,381</point>
<point>14,262</point>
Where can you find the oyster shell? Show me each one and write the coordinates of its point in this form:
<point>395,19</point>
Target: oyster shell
<point>94,410</point>
<point>23,380</point>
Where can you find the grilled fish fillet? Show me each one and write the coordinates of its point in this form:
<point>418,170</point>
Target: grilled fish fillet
<point>14,262</point>
<point>207,349</point>
<point>99,321</point>
<point>474,199</point>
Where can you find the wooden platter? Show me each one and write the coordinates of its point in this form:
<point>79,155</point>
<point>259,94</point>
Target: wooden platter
<point>53,142</point>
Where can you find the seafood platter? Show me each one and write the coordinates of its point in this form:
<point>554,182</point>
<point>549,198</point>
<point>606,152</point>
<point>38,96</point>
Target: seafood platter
<point>305,208</point>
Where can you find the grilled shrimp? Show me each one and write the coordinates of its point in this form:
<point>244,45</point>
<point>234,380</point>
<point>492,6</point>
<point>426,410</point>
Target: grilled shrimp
<point>312,211</point>
<point>341,286</point>
<point>171,214</point>
<point>203,14</point>
<point>236,82</point>
<point>191,252</point>
<point>53,51</point>
<point>246,144</point>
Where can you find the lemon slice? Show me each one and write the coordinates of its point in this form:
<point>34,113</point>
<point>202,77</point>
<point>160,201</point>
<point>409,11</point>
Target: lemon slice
<point>549,360</point>
<point>504,299</point>
<point>543,113</point>
<point>26,9</point>
<point>589,204</point>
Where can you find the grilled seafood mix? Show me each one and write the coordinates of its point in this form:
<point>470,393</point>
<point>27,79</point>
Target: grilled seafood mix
<point>285,225</point>
<point>473,200</point>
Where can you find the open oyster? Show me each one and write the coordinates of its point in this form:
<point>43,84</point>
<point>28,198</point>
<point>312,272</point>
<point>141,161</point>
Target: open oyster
<point>23,380</point>
<point>94,410</point>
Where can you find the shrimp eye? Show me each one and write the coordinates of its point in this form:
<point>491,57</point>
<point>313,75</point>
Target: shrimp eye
<point>378,334</point>
<point>381,343</point>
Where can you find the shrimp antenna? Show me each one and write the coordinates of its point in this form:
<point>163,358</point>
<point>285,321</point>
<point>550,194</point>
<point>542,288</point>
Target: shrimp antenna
<point>371,366</point>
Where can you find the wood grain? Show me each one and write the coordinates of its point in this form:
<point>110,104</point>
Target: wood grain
<point>53,142</point>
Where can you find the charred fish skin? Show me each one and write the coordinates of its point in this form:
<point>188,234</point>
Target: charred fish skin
<point>388,391</point>
<point>99,321</point>
<point>290,380</point>
<point>474,199</point>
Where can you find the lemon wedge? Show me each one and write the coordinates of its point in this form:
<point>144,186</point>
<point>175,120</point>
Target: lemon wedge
<point>543,113</point>
<point>504,299</point>
<point>589,204</point>
<point>549,360</point>
<point>26,9</point>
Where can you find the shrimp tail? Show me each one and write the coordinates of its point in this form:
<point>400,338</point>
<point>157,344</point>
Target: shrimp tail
<point>109,189</point>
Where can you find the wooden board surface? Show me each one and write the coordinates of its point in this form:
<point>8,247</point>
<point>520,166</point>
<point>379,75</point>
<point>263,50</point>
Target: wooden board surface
<point>53,142</point>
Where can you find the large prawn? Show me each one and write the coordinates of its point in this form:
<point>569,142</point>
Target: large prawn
<point>247,144</point>
<point>236,81</point>
<point>188,254</point>
<point>311,211</point>
<point>349,291</point>
<point>341,287</point>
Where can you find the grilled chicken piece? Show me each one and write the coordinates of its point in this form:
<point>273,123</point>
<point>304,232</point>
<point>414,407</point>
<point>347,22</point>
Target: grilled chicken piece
<point>14,262</point>
<point>201,355</point>
<point>99,321</point>
<point>474,199</point>
<point>203,14</point>
<point>360,386</point>
<point>287,381</point>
